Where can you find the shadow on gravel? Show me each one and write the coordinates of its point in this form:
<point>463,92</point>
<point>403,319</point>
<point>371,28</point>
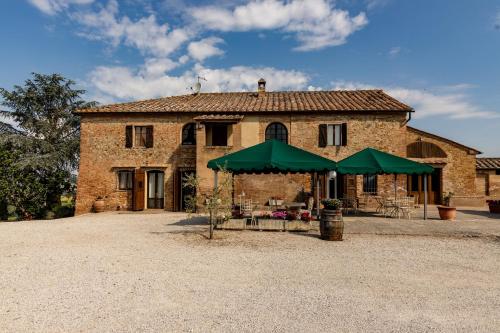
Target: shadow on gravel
<point>480,213</point>
<point>196,220</point>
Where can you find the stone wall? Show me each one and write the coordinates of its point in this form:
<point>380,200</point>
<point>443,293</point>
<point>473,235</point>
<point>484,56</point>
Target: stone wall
<point>458,168</point>
<point>488,184</point>
<point>103,152</point>
<point>363,130</point>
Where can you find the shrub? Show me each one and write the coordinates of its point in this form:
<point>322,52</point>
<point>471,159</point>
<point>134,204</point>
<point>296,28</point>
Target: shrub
<point>332,204</point>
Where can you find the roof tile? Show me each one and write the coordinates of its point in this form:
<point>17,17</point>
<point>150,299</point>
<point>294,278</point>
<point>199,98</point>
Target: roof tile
<point>285,101</point>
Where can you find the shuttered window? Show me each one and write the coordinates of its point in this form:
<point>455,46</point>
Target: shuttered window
<point>142,136</point>
<point>332,135</point>
<point>125,179</point>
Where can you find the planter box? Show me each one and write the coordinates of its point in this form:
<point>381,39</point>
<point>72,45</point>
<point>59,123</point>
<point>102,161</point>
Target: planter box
<point>237,224</point>
<point>297,225</point>
<point>270,224</point>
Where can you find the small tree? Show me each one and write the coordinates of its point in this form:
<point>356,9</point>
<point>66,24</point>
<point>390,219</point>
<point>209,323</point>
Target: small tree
<point>217,203</point>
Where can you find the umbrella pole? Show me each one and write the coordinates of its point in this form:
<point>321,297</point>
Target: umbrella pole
<point>395,187</point>
<point>335,186</point>
<point>317,195</point>
<point>425,197</point>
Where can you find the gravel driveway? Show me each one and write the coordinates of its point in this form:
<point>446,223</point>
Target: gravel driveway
<point>157,272</point>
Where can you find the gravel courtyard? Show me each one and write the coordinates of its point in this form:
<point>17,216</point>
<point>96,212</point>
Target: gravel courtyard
<point>130,272</point>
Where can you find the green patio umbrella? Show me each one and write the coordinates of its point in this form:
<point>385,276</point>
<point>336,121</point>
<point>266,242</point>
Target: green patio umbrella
<point>272,156</point>
<point>371,161</point>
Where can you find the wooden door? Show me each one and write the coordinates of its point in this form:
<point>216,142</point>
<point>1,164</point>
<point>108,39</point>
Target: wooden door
<point>434,186</point>
<point>138,197</point>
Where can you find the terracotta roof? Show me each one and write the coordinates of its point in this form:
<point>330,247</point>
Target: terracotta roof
<point>488,163</point>
<point>209,117</point>
<point>286,101</point>
<point>471,150</point>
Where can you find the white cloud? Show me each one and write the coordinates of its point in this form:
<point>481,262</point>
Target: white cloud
<point>52,7</point>
<point>453,103</point>
<point>205,48</point>
<point>122,83</point>
<point>315,23</point>
<point>145,34</point>
<point>394,51</point>
<point>497,22</point>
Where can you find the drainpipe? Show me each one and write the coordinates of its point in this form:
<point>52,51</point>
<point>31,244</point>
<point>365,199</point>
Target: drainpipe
<point>409,117</point>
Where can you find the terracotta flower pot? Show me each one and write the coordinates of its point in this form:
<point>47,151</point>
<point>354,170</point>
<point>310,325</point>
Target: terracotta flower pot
<point>99,206</point>
<point>447,213</point>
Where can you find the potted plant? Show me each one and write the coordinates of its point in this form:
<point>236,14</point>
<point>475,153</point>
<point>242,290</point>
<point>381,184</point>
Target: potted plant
<point>446,212</point>
<point>99,205</point>
<point>494,206</point>
<point>331,224</point>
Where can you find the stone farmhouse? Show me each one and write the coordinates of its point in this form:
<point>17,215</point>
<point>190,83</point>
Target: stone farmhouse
<point>488,177</point>
<point>135,155</point>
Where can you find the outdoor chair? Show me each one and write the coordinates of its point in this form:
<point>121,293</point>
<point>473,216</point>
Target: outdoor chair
<point>406,206</point>
<point>247,211</point>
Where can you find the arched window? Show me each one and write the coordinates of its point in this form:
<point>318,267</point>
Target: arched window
<point>421,149</point>
<point>277,131</point>
<point>189,134</point>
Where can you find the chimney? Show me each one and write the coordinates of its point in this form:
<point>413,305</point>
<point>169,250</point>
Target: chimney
<point>261,86</point>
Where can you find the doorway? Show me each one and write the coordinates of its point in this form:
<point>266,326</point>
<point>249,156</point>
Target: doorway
<point>156,190</point>
<point>341,179</point>
<point>184,192</point>
<point>434,186</point>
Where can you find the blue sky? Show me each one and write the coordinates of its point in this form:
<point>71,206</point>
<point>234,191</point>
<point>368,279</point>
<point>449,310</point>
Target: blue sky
<point>440,57</point>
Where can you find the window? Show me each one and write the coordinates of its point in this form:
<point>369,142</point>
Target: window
<point>421,149</point>
<point>140,136</point>
<point>189,134</point>
<point>332,135</point>
<point>277,131</point>
<point>217,134</point>
<point>125,179</point>
<point>370,184</point>
<point>497,172</point>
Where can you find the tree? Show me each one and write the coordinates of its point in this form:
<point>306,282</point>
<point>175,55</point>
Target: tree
<point>45,136</point>
<point>217,202</point>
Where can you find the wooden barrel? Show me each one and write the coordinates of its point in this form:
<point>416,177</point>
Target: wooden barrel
<point>331,225</point>
<point>99,206</point>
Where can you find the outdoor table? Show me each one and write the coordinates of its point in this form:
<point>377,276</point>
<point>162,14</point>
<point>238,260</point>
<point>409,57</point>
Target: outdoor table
<point>295,206</point>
